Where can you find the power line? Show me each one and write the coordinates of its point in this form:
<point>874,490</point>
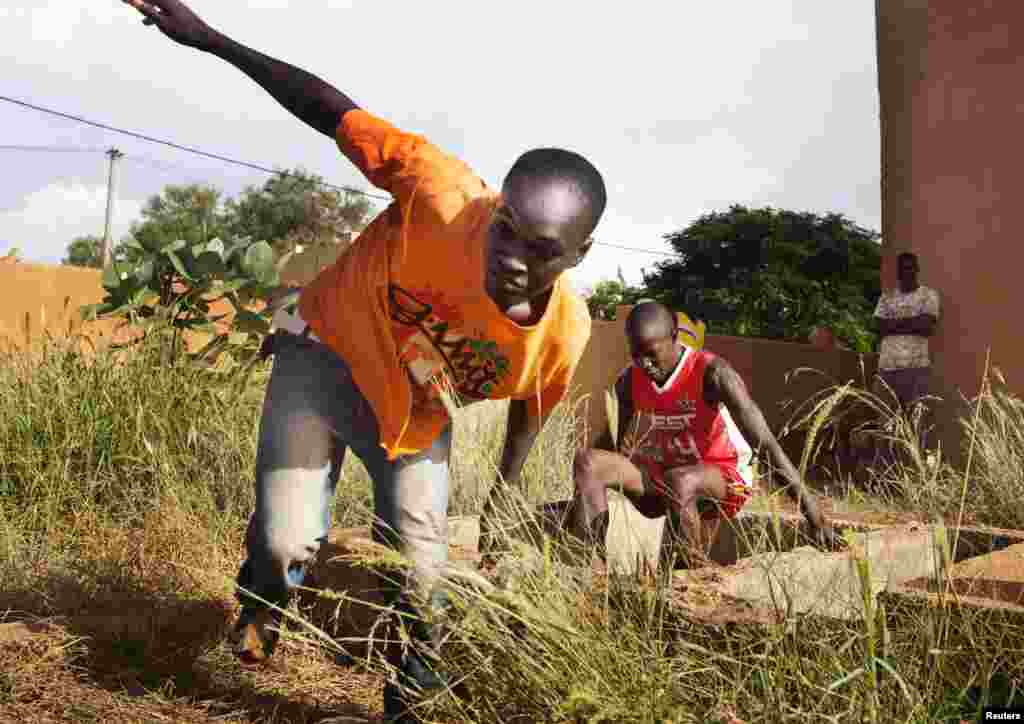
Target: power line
<point>237,162</point>
<point>179,146</point>
<point>167,166</point>
<point>636,249</point>
<point>133,157</point>
<point>53,149</point>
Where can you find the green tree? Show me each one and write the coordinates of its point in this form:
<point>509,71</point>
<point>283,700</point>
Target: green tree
<point>171,290</point>
<point>84,251</point>
<point>295,208</point>
<point>178,261</point>
<point>609,294</point>
<point>192,213</point>
<point>774,273</point>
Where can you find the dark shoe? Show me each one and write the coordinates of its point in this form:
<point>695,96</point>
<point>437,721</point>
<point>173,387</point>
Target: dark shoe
<point>418,677</point>
<point>416,681</point>
<point>255,635</point>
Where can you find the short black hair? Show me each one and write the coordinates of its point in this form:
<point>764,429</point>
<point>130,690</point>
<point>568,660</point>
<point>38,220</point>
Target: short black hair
<point>907,255</point>
<point>654,316</point>
<point>558,164</point>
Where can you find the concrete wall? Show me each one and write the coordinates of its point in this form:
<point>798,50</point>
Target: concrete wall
<point>39,298</point>
<point>951,109</point>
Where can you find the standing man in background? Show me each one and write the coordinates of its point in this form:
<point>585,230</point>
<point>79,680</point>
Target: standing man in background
<point>906,318</point>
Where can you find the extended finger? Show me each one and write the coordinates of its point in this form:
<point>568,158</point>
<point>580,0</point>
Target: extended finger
<point>150,11</point>
<point>158,6</point>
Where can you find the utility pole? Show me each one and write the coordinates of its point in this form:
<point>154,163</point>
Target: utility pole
<point>114,155</point>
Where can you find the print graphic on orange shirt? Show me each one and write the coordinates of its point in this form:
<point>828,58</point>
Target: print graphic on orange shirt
<point>436,350</point>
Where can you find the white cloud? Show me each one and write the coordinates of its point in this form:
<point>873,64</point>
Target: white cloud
<point>54,23</point>
<point>52,216</point>
<point>683,108</point>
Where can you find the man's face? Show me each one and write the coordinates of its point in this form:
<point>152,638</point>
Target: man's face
<point>653,351</point>
<point>537,233</point>
<point>906,273</point>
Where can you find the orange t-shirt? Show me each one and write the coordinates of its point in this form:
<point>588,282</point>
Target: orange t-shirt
<point>405,305</point>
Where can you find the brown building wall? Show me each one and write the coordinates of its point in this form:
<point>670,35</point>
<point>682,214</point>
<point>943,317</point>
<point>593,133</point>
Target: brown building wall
<point>952,166</point>
<point>39,299</point>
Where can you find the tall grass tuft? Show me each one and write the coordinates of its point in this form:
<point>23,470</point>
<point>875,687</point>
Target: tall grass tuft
<point>125,484</point>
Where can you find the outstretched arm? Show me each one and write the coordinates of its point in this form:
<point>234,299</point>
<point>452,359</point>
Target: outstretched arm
<point>310,99</point>
<point>722,384</point>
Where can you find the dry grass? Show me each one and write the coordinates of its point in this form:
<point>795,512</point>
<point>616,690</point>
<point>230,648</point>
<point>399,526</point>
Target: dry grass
<point>911,479</point>
<point>124,489</point>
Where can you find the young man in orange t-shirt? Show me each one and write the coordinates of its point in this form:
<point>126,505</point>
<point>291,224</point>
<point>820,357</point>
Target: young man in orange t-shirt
<point>454,288</point>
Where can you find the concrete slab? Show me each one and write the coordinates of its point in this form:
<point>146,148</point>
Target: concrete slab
<point>1004,564</point>
<point>632,541</point>
<point>765,564</point>
<point>806,580</point>
<point>752,532</point>
<point>635,541</point>
<point>464,531</point>
<point>997,576</point>
<point>975,541</point>
<point>19,632</point>
<point>909,596</point>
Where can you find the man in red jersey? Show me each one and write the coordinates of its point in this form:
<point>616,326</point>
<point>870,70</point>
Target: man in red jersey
<point>685,419</point>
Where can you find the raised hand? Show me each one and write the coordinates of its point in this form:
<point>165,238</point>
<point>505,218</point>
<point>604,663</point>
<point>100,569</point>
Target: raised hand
<point>313,101</point>
<point>177,21</point>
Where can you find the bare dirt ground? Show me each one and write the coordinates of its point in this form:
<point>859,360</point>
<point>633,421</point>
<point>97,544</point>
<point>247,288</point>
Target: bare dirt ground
<point>158,659</point>
<point>52,674</point>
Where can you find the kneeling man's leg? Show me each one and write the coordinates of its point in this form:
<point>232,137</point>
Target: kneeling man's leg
<point>594,471</point>
<point>700,496</point>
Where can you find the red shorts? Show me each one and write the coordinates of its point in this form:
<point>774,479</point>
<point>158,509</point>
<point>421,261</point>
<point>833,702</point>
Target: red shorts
<point>738,492</point>
<point>737,496</point>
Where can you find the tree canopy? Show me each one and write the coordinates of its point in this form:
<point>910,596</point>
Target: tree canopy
<point>607,295</point>
<point>296,209</point>
<point>290,210</point>
<point>773,273</point>
<point>84,251</point>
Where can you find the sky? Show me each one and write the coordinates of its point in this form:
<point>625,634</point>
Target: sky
<point>685,108</point>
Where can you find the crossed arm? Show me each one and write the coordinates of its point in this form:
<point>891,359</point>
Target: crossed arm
<point>922,325</point>
<point>309,98</point>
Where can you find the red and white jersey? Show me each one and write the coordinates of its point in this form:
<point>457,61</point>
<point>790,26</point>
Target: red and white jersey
<point>674,426</point>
